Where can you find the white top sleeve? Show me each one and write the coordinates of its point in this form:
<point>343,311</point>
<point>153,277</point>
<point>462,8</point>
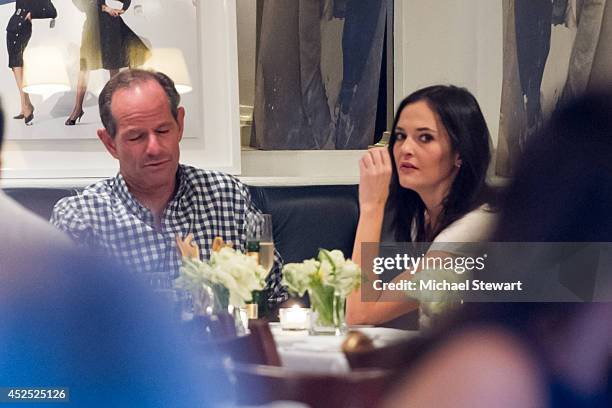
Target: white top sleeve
<point>475,226</point>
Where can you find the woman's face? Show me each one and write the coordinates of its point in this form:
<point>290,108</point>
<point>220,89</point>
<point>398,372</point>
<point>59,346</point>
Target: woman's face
<point>424,157</point>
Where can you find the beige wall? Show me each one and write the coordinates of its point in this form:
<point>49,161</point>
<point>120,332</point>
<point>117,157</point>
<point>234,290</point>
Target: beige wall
<point>451,41</point>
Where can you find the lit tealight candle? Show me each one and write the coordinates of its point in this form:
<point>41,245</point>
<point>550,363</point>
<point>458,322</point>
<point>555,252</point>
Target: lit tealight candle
<point>294,318</point>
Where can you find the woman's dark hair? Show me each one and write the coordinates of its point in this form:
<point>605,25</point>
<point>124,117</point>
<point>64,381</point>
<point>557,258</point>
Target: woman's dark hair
<point>469,136</point>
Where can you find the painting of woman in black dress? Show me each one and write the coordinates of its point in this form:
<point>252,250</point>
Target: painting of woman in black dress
<point>18,34</point>
<point>106,43</point>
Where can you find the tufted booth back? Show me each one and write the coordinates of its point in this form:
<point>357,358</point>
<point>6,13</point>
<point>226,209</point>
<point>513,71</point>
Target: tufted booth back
<point>39,200</point>
<point>310,217</point>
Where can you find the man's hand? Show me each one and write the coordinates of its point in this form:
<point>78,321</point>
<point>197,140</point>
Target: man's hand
<point>374,178</point>
<point>187,247</point>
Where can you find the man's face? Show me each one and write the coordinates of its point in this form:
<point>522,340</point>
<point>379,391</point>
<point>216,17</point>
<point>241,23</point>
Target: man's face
<point>146,142</point>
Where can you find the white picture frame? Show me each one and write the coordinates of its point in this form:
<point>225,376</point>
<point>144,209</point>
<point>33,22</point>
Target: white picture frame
<point>217,147</point>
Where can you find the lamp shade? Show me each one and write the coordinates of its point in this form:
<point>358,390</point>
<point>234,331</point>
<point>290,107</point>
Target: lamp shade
<point>44,71</point>
<point>171,62</point>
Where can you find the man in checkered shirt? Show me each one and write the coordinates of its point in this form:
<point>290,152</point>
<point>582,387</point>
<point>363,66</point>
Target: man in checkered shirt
<point>136,215</point>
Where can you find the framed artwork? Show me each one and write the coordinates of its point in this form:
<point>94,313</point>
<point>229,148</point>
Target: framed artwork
<point>192,41</point>
<point>318,81</point>
<point>552,54</point>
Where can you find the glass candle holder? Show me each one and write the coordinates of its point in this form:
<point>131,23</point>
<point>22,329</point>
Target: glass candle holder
<point>294,318</point>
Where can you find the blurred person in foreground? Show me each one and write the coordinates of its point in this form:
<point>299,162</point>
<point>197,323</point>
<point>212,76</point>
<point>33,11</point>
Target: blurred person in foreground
<point>534,354</point>
<point>21,229</point>
<point>71,320</point>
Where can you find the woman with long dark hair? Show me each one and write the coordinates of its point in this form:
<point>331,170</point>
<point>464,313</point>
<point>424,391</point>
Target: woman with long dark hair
<point>536,354</point>
<point>18,33</point>
<point>429,185</point>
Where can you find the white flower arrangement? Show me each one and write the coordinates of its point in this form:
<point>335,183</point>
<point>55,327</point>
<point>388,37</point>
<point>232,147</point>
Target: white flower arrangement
<point>326,278</point>
<point>329,269</point>
<point>232,275</point>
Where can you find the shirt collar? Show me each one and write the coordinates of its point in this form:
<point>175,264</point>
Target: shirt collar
<point>122,191</point>
<point>181,182</point>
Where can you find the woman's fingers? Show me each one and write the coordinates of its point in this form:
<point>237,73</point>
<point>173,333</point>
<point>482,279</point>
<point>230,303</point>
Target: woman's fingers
<point>113,12</point>
<point>385,158</point>
<point>378,160</point>
<point>375,173</point>
<point>367,161</point>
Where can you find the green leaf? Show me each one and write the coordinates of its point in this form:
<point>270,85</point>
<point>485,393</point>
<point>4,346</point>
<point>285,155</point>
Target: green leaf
<point>322,301</point>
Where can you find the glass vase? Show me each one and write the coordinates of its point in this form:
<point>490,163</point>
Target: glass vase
<point>205,302</point>
<point>327,317</point>
<point>210,304</point>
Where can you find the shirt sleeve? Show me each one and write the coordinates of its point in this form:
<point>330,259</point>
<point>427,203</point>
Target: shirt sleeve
<point>67,216</point>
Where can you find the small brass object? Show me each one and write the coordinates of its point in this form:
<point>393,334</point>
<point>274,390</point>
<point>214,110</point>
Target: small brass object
<point>252,310</point>
<point>356,341</point>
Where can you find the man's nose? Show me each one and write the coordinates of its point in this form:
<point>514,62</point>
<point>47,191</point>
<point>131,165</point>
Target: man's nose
<point>153,144</point>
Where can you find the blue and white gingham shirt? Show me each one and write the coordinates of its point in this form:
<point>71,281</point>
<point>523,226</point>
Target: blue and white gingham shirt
<point>207,204</point>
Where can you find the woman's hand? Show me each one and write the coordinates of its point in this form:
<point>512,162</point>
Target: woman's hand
<point>113,12</point>
<point>28,16</point>
<point>374,178</point>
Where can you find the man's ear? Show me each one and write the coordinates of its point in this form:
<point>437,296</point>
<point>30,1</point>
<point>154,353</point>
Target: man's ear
<point>108,142</point>
<point>180,120</point>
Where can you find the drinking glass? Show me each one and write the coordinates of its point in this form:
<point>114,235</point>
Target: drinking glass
<point>266,243</point>
<point>261,246</point>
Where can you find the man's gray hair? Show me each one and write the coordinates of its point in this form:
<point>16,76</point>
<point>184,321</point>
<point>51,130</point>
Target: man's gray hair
<point>126,79</point>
